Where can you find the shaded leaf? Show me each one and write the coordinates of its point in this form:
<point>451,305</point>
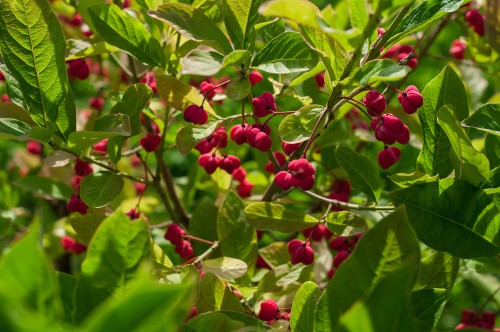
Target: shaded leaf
<point>99,189</point>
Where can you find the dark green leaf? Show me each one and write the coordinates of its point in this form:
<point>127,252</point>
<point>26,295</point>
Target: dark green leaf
<point>113,258</point>
<point>438,270</point>
<point>284,54</point>
<point>45,187</point>
<point>67,286</point>
<point>13,128</point>
<point>203,223</point>
<point>486,118</point>
<point>468,231</point>
<point>135,98</point>
<point>237,237</point>
<point>274,217</point>
<point>224,321</point>
<point>32,47</point>
<point>345,223</point>
<point>238,88</point>
<point>193,24</point>
<point>215,295</point>
<point>380,70</point>
<point>99,189</point>
<point>445,89</point>
<point>85,226</point>
<point>298,127</point>
<point>387,246</point>
<point>427,305</point>
<point>199,62</point>
<point>363,174</point>
<point>407,180</point>
<point>126,32</point>
<point>304,303</point>
<point>469,164</point>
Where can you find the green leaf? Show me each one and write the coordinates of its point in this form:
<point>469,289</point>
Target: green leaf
<point>301,11</point>
<point>99,189</point>
<point>446,89</point>
<point>193,24</point>
<point>224,321</point>
<point>27,275</point>
<point>13,128</point>
<point>45,187</point>
<point>424,14</point>
<point>329,50</point>
<point>120,29</point>
<point>380,312</point>
<point>407,180</point>
<point>13,88</point>
<point>215,295</point>
<point>238,88</point>
<point>304,303</point>
<point>358,13</point>
<point>486,118</point>
<point>298,127</point>
<point>67,286</point>
<point>188,137</point>
<point>198,62</point>
<point>286,53</point>
<point>236,58</point>
<point>178,94</point>
<point>114,123</point>
<point>146,307</point>
<point>135,98</point>
<point>427,306</point>
<point>113,258</point>
<point>237,237</point>
<point>79,49</point>
<point>438,270</point>
<point>469,164</point>
<point>471,230</point>
<point>345,223</point>
<point>203,223</point>
<point>363,174</point>
<point>225,267</point>
<point>390,244</point>
<point>380,70</point>
<point>275,254</point>
<point>240,17</point>
<point>32,47</point>
<point>266,216</point>
<point>85,226</point>
<point>13,111</point>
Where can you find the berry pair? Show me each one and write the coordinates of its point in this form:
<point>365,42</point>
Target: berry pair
<point>300,252</point>
<point>471,319</point>
<point>300,174</point>
<point>218,139</point>
<point>195,114</point>
<point>210,162</point>
<point>244,188</point>
<point>257,135</point>
<point>175,235</point>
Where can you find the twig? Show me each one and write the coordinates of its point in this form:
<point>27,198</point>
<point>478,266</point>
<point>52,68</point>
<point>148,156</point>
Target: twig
<point>344,205</point>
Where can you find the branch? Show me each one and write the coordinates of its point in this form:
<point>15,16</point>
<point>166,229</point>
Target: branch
<point>345,205</point>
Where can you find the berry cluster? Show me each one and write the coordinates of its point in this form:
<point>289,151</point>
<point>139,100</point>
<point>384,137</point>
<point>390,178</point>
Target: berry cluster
<point>343,246</point>
<point>71,246</point>
<point>476,21</point>
<point>175,235</point>
<point>403,53</point>
<point>301,252</point>
<point>472,319</point>
<point>300,174</point>
<point>75,203</point>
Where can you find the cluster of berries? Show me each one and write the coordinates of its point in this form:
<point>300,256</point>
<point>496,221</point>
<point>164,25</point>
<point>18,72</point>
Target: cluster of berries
<point>400,53</point>
<point>300,174</point>
<point>269,312</point>
<point>82,169</point>
<point>71,246</point>
<point>175,235</point>
<point>343,246</point>
<point>388,128</point>
<point>244,188</point>
<point>256,135</point>
<point>476,21</point>
<point>473,319</point>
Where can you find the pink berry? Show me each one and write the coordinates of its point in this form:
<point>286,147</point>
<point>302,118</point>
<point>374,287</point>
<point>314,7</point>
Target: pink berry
<point>209,161</point>
<point>411,99</point>
<point>388,129</point>
<point>150,80</point>
<point>258,137</point>
<point>207,89</point>
<point>96,103</point>
<point>289,148</point>
<point>2,77</point>
<point>255,77</point>
<point>195,114</point>
<point>404,135</point>
<point>340,258</point>
<point>101,147</point>
<point>68,243</point>
<point>388,157</point>
<point>184,249</point>
<point>244,189</point>
<point>78,69</point>
<point>375,102</point>
<point>140,188</point>
<point>315,233</point>
<point>283,180</point>
<point>457,49</point>
<point>239,133</point>
<point>261,263</point>
<point>239,174</point>
<point>280,159</point>
<point>174,233</point>
<point>301,168</point>
<point>300,252</point>
<point>150,142</point>
<point>304,183</point>
<point>320,80</point>
<point>229,163</point>
<point>264,104</point>
<point>339,243</point>
<point>75,182</point>
<point>268,310</point>
<point>34,148</point>
<point>83,168</point>
<point>79,248</point>
<point>75,204</point>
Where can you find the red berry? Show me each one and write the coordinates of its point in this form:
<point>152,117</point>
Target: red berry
<point>457,49</point>
<point>150,80</point>
<point>101,147</point>
<point>5,98</point>
<point>258,137</point>
<point>195,114</point>
<point>475,20</point>
<point>306,183</point>
<point>487,319</point>
<point>75,182</point>
<point>300,252</point>
<point>468,316</point>
<point>289,148</point>
<point>184,249</point>
<point>244,189</point>
<point>283,180</point>
<point>375,102</point>
<point>411,99</point>
<point>229,163</point>
<point>204,146</point>
<point>264,104</point>
<point>209,161</point>
<point>280,159</point>
<point>75,204</point>
<point>261,263</point>
<point>140,188</point>
<point>76,20</point>
<point>320,80</point>
<point>404,135</point>
<point>207,89</point>
<point>239,174</point>
<point>96,103</point>
<point>83,168</point>
<point>219,137</point>
<point>174,234</point>
<point>301,168</point>
<point>339,243</point>
<point>380,31</point>
<point>340,258</point>
<point>255,77</point>
<point>268,310</point>
<point>388,157</point>
<point>314,233</point>
<point>388,129</point>
<point>133,214</point>
<point>34,148</point>
<point>78,69</point>
<point>126,3</point>
<point>239,133</point>
<point>150,142</point>
<point>2,77</point>
<point>68,243</point>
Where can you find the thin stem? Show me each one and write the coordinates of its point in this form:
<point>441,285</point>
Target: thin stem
<point>344,205</point>
<point>206,253</point>
<point>313,133</point>
<point>212,89</point>
<point>488,300</point>
<point>194,238</point>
